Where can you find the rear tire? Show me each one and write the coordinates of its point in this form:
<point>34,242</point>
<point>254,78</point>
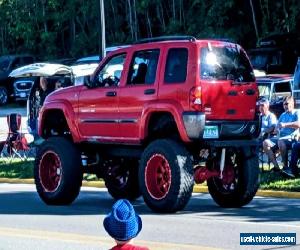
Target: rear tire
<point>121,180</point>
<point>166,176</point>
<point>57,171</point>
<point>246,180</point>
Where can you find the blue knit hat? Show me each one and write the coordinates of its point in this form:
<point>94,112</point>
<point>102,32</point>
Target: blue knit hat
<point>122,223</point>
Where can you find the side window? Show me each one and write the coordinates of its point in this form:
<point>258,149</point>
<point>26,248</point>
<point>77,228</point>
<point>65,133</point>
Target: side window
<point>28,60</point>
<point>143,67</point>
<point>176,65</point>
<point>110,74</point>
<point>16,63</point>
<point>282,87</point>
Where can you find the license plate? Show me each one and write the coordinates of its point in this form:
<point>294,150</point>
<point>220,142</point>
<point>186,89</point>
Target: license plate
<point>22,95</point>
<point>211,132</point>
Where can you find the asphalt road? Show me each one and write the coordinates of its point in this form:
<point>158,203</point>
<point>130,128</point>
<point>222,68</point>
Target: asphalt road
<point>27,223</point>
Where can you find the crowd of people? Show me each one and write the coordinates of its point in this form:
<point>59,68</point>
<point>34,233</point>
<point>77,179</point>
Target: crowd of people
<point>281,135</point>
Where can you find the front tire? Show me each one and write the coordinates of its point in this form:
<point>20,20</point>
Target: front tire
<point>242,170</point>
<point>57,171</point>
<point>166,176</point>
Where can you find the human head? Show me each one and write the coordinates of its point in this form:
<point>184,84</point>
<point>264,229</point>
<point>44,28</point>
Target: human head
<point>43,83</point>
<point>58,84</point>
<point>122,223</point>
<point>288,103</point>
<point>264,106</point>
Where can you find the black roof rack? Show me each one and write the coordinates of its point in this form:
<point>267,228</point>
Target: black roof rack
<point>166,38</point>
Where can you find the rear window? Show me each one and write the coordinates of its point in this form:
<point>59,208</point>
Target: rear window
<point>282,87</point>
<point>225,63</point>
<point>176,65</point>
<point>260,59</point>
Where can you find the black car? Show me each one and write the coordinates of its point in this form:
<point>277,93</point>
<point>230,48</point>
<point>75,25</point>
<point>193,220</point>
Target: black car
<point>276,54</point>
<point>7,64</point>
<point>274,88</point>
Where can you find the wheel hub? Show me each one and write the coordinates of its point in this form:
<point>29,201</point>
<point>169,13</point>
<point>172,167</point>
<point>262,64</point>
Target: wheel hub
<point>158,176</point>
<point>50,171</point>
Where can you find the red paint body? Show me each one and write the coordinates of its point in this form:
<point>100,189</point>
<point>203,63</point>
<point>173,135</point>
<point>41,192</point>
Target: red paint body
<point>124,117</point>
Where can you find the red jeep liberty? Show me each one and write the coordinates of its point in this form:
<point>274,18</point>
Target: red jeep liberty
<point>153,118</point>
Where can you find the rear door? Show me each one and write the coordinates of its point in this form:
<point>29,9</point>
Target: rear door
<point>139,89</point>
<point>229,91</point>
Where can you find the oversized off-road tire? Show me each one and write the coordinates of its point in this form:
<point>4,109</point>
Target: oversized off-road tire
<point>244,182</point>
<point>166,176</point>
<point>3,96</point>
<point>57,171</point>
<point>121,179</point>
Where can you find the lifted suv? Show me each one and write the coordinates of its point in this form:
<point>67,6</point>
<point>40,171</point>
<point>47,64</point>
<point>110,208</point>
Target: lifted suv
<point>153,117</point>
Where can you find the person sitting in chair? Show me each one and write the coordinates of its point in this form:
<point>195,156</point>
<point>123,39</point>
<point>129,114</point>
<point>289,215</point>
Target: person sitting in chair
<point>268,119</point>
<point>287,129</point>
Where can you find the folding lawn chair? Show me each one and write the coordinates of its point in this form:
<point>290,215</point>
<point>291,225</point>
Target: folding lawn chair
<point>15,145</point>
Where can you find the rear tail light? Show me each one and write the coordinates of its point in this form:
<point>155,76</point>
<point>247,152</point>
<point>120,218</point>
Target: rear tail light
<point>196,98</point>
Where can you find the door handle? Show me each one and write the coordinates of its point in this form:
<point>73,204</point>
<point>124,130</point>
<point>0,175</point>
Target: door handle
<point>149,91</point>
<point>111,93</point>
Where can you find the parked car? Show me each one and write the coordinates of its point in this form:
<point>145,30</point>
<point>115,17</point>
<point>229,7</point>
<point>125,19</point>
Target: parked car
<point>7,64</point>
<point>276,54</point>
<point>274,88</point>
<point>22,88</point>
<point>52,72</point>
<point>87,60</point>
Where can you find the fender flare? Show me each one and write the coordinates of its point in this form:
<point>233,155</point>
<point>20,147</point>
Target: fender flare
<point>69,115</point>
<point>169,107</point>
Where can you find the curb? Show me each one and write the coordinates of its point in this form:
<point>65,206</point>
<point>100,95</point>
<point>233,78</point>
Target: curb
<point>197,188</point>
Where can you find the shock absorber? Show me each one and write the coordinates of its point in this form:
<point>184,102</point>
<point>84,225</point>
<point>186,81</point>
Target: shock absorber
<point>222,162</point>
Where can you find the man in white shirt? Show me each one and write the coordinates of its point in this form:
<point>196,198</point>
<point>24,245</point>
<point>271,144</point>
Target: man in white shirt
<point>268,119</point>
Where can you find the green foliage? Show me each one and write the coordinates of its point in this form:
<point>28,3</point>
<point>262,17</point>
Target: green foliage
<point>273,181</point>
<point>62,28</point>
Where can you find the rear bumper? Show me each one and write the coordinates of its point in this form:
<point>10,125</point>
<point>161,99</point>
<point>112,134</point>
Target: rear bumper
<point>195,124</point>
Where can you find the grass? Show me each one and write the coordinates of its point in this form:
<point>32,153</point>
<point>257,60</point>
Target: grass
<point>24,170</point>
<point>272,181</point>
<point>16,168</point>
